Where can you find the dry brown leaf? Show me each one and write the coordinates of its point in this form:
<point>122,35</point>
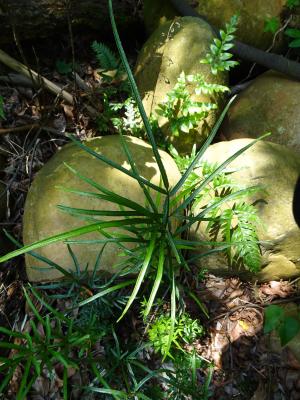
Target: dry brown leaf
<point>281,289</point>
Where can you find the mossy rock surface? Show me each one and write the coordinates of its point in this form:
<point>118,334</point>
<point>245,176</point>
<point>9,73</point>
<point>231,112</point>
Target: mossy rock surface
<point>43,219</point>
<point>252,16</point>
<point>175,47</point>
<point>276,168</point>
<point>269,104</point>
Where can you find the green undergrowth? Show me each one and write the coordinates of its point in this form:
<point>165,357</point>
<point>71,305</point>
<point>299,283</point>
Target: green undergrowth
<point>133,333</point>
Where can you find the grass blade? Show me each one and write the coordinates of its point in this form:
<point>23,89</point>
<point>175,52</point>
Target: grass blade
<point>229,197</point>
<point>106,291</point>
<point>202,150</point>
<point>116,165</point>
<point>190,198</point>
<point>134,169</point>
<point>157,281</point>
<point>73,233</point>
<point>173,316</point>
<point>101,213</point>
<point>141,275</point>
<point>110,196</point>
<point>138,98</point>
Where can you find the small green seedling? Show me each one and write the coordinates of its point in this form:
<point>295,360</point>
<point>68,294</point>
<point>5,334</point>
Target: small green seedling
<point>286,326</point>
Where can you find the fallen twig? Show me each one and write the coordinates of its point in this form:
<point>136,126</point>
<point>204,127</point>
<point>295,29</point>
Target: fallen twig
<point>39,80</point>
<point>16,79</point>
<point>29,127</point>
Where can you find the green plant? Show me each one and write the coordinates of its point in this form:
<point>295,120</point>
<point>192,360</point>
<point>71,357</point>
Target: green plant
<point>105,57</point>
<point>294,34</point>
<point>181,377</point>
<point>272,25</point>
<point>182,112</point>
<point>48,340</point>
<point>2,115</point>
<point>236,222</point>
<point>131,122</point>
<point>185,330</point>
<point>108,61</point>
<point>123,369</point>
<point>121,114</point>
<point>158,242</point>
<point>219,58</point>
<point>292,3</point>
<point>109,117</point>
<point>278,319</point>
<point>63,67</point>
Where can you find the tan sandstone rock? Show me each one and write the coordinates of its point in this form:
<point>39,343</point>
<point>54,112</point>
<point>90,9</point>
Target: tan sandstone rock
<point>277,169</point>
<point>269,104</point>
<point>42,218</point>
<point>175,47</point>
<point>252,16</point>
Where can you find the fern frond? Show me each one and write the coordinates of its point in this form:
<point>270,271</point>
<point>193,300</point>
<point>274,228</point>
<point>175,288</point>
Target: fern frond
<point>244,236</point>
<point>105,57</point>
<point>201,86</point>
<point>235,225</point>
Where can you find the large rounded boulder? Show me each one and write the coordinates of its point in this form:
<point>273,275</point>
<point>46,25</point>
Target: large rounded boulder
<point>252,16</point>
<point>276,169</point>
<point>176,47</point>
<point>269,104</point>
<point>42,218</point>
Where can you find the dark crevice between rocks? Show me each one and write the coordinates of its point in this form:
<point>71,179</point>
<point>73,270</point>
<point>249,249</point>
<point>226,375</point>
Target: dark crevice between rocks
<point>296,202</point>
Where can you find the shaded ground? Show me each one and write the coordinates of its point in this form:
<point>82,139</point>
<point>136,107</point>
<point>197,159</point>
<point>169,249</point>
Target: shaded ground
<point>245,366</point>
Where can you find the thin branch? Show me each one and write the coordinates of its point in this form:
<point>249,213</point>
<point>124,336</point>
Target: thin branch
<point>19,67</point>
<point>30,127</point>
<point>39,80</point>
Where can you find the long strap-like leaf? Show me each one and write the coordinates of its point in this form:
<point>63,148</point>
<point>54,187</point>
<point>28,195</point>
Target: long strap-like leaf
<point>195,193</point>
<point>138,98</point>
<point>140,278</point>
<point>201,151</point>
<point>73,233</point>
<point>117,166</point>
<point>215,205</point>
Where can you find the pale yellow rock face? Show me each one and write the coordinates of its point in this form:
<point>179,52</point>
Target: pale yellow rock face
<point>269,104</point>
<point>277,169</point>
<point>42,218</point>
<point>252,16</point>
<point>175,47</point>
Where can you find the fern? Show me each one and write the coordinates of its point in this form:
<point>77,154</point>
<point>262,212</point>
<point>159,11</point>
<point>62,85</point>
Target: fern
<point>244,236</point>
<point>219,57</point>
<point>186,330</point>
<point>106,58</point>
<point>184,113</point>
<point>236,224</point>
<point>203,87</point>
